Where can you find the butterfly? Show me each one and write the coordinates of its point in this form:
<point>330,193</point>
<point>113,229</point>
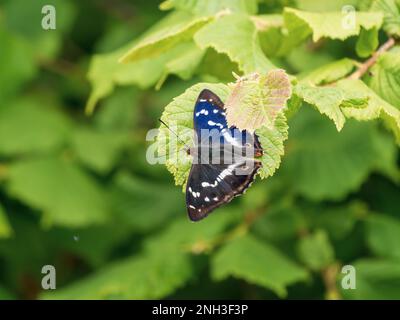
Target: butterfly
<point>224,163</point>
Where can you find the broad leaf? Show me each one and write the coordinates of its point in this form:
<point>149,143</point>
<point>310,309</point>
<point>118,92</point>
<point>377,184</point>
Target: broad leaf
<point>385,78</point>
<point>60,190</point>
<point>258,263</point>
<point>331,100</point>
<point>331,25</point>
<point>391,12</point>
<point>236,36</point>
<point>256,101</point>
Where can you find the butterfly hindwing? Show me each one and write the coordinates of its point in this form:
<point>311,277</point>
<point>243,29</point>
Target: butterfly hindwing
<point>212,185</point>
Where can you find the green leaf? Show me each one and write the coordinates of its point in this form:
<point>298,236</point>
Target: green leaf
<point>391,12</point>
<point>256,100</point>
<point>65,194</point>
<point>258,263</point>
<point>17,64</point>
<point>205,7</point>
<point>377,107</point>
<point>383,235</point>
<point>182,29</point>
<point>27,126</point>
<point>272,141</point>
<point>330,24</point>
<point>130,192</point>
<point>5,227</point>
<point>375,279</point>
<point>98,150</point>
<point>330,165</point>
<point>330,101</point>
<point>367,42</point>
<point>25,19</point>
<point>142,277</point>
<point>184,64</point>
<point>316,251</point>
<point>329,73</point>
<point>236,36</point>
<point>385,78</point>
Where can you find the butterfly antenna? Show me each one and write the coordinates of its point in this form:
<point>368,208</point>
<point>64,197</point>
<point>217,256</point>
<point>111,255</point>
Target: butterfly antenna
<point>180,140</point>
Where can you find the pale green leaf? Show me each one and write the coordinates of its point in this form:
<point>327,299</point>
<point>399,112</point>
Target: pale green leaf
<point>184,64</point>
<point>236,36</point>
<point>258,263</point>
<point>61,191</point>
<point>256,100</point>
<point>329,73</point>
<point>272,141</point>
<point>163,39</point>
<point>333,25</point>
<point>330,101</point>
<point>385,78</point>
<point>391,12</point>
<point>316,251</point>
<point>211,6</point>
<point>377,107</point>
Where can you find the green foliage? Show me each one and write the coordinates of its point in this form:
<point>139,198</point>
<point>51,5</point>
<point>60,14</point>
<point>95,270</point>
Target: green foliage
<point>258,263</point>
<point>78,192</point>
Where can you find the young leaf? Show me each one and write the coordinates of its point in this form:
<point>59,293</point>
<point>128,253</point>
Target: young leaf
<point>391,11</point>
<point>236,36</point>
<point>329,73</point>
<point>331,100</point>
<point>330,24</point>
<point>258,263</point>
<point>211,6</point>
<point>377,108</point>
<point>385,78</point>
<point>255,101</point>
<point>182,29</point>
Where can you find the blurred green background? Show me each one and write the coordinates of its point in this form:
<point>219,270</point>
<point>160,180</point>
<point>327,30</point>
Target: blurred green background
<point>76,191</point>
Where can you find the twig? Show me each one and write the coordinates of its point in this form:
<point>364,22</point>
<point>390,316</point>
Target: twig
<point>364,67</point>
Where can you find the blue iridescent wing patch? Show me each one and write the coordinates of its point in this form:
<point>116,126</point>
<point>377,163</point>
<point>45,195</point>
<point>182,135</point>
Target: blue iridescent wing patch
<point>214,183</point>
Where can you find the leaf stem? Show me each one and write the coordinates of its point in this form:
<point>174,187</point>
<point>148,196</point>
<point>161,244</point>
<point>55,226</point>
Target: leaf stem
<point>364,67</point>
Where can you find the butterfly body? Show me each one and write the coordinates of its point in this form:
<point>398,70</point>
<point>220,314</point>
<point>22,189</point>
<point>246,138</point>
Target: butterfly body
<point>224,159</point>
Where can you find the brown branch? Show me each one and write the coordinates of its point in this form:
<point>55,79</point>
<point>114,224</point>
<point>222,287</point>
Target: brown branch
<point>364,67</point>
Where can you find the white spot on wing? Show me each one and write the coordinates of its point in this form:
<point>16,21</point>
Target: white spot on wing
<point>212,123</point>
<point>207,199</point>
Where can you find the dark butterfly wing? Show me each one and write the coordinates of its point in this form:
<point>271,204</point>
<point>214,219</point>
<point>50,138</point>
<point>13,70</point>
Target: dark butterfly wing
<point>211,185</point>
